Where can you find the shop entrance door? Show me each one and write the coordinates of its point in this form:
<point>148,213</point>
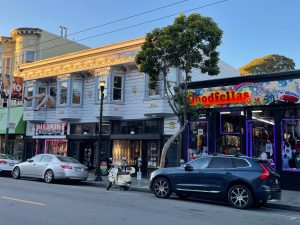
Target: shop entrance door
<point>260,141</point>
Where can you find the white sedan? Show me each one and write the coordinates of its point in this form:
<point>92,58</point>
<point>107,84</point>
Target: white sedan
<point>7,163</point>
<point>51,167</point>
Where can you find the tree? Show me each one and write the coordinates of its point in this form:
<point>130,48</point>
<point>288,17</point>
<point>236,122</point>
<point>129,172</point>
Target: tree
<point>190,42</point>
<point>268,64</point>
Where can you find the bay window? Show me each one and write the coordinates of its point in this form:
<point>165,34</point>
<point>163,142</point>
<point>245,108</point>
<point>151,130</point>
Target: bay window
<point>76,92</point>
<point>117,88</point>
<point>63,92</point>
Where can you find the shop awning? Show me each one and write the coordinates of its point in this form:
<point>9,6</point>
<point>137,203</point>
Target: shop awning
<point>16,119</point>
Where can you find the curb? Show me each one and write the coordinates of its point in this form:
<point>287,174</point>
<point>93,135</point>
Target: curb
<point>283,206</point>
<point>146,190</point>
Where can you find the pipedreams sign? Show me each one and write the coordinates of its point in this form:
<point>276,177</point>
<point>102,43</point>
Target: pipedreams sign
<point>50,129</point>
<point>247,94</point>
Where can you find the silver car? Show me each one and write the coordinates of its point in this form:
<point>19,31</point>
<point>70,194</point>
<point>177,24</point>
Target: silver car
<point>7,163</point>
<point>50,167</point>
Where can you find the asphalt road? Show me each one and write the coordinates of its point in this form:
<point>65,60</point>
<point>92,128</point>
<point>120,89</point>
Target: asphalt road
<point>37,203</point>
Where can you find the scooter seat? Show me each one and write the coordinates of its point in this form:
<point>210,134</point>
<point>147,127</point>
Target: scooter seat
<point>123,173</point>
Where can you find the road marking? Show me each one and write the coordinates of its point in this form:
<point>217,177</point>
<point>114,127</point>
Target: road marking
<point>24,201</point>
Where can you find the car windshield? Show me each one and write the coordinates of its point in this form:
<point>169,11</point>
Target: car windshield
<point>67,159</point>
<point>2,156</point>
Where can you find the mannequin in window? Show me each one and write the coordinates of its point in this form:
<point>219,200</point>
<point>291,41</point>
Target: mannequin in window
<point>48,100</point>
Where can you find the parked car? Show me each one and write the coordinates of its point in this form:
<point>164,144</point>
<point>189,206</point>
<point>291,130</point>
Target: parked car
<point>51,167</point>
<point>243,181</point>
<point>7,163</point>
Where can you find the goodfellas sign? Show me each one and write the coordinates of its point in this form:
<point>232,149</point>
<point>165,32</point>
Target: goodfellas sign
<point>247,94</point>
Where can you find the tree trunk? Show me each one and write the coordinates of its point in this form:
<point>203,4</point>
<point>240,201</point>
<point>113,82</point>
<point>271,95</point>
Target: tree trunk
<point>168,144</point>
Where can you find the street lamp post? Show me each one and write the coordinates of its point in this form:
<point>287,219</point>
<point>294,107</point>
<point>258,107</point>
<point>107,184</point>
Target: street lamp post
<point>99,150</point>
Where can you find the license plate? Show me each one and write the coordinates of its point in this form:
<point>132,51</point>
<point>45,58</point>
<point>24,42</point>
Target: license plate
<point>276,181</point>
<point>77,170</point>
<point>11,164</point>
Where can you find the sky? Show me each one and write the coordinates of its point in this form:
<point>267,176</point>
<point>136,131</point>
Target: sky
<point>252,28</point>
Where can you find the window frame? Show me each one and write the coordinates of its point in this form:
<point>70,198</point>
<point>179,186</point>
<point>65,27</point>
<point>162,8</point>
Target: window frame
<point>7,66</point>
<point>25,56</point>
<point>74,80</point>
<point>67,92</point>
<point>113,88</point>
<point>26,94</point>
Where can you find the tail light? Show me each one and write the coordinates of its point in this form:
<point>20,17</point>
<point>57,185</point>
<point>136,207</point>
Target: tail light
<point>66,167</point>
<point>265,174</point>
<point>2,161</point>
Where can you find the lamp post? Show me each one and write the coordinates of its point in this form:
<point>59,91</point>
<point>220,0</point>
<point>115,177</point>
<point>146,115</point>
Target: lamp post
<point>99,153</point>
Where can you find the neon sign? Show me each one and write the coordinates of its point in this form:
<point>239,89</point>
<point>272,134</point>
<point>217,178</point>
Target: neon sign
<point>220,98</point>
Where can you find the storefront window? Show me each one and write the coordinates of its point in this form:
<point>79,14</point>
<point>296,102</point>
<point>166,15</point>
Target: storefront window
<point>152,126</point>
<point>291,144</point>
<point>131,149</point>
<point>232,128</point>
<point>89,128</point>
<point>76,128</point>
<point>198,139</point>
<point>56,147</point>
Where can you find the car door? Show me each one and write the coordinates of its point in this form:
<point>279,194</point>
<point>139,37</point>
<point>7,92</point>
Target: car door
<point>28,168</point>
<point>218,174</point>
<point>190,178</point>
<point>41,166</point>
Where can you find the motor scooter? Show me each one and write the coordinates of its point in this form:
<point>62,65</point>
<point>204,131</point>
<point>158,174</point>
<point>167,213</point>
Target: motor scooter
<point>120,175</point>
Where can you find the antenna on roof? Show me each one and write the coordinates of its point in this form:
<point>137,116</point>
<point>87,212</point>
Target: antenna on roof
<point>63,31</point>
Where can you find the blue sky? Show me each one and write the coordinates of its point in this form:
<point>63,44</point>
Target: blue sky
<point>252,28</point>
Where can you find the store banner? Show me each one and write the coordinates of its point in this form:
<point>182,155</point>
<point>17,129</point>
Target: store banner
<point>16,91</point>
<point>17,88</point>
<point>247,94</point>
<point>50,129</point>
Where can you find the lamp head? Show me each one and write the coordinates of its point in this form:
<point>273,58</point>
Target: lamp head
<point>102,83</point>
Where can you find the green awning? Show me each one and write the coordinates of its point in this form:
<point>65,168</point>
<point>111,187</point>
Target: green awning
<point>16,118</point>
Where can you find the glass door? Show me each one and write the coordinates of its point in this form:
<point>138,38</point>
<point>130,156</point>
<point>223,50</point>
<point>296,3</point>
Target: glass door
<point>260,141</point>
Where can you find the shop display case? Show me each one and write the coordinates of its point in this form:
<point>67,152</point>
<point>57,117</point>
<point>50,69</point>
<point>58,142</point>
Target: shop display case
<point>153,155</point>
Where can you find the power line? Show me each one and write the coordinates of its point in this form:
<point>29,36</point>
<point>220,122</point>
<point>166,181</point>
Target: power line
<point>102,25</point>
<point>136,25</point>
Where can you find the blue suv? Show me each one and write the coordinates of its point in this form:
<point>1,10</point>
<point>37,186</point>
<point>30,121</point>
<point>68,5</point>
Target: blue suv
<point>242,181</point>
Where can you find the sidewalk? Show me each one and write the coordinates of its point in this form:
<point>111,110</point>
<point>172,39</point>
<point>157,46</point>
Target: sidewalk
<point>290,200</point>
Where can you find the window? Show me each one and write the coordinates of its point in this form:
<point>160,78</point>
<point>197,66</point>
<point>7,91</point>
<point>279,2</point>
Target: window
<point>41,91</point>
<point>291,145</point>
<point>29,93</point>
<point>220,162</point>
<point>29,56</point>
<point>89,128</point>
<point>155,91</point>
<point>152,126</point>
<point>76,128</point>
<point>37,158</point>
<point>200,163</point>
<point>46,158</point>
<point>172,79</point>
<point>76,92</point>
<point>117,88</point>
<point>240,163</point>
<point>7,64</point>
<point>63,92</point>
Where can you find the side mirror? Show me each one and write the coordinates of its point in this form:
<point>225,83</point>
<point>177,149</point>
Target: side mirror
<point>30,160</point>
<point>188,167</point>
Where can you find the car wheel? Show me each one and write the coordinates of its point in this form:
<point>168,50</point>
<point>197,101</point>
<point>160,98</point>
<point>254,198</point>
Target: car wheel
<point>16,173</point>
<point>162,188</point>
<point>182,196</point>
<point>240,197</point>
<point>49,176</point>
<point>126,188</point>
